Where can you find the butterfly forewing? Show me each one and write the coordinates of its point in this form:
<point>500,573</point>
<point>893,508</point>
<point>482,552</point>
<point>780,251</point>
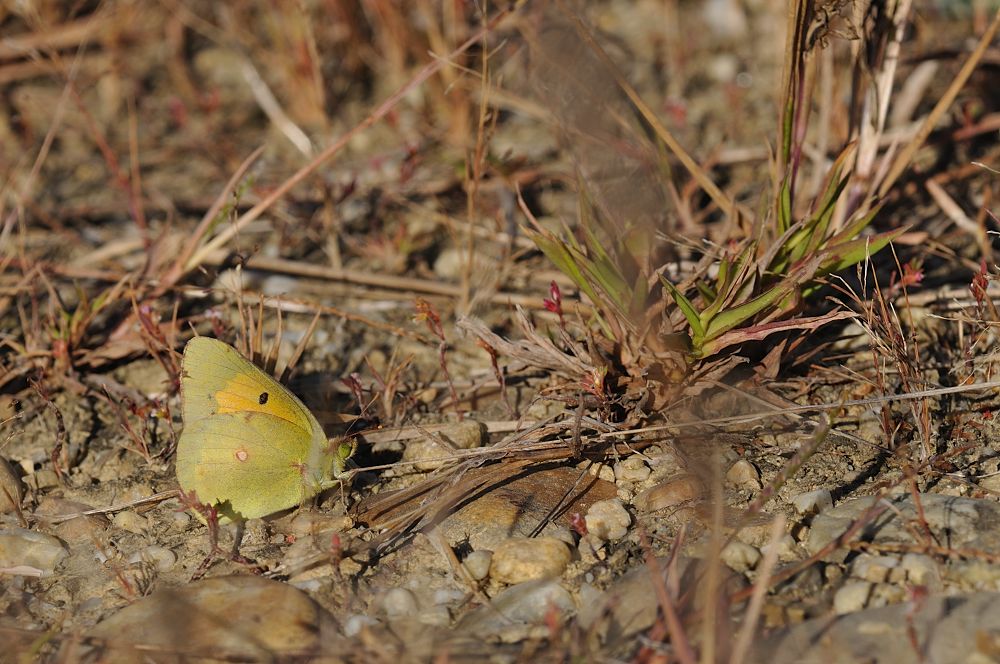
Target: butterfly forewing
<point>217,379</point>
<point>246,438</point>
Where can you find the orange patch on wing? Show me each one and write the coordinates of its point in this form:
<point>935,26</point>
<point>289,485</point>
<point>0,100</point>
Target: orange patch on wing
<point>230,400</point>
<point>239,397</point>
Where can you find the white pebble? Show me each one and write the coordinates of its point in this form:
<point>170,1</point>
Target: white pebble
<point>786,548</point>
<point>356,623</point>
<point>812,502</point>
<point>852,596</point>
<point>873,568</point>
<point>132,522</point>
<point>921,570</point>
<point>160,557</point>
<point>740,557</point>
<point>478,564</point>
<point>608,519</point>
<point>632,469</point>
<point>399,603</point>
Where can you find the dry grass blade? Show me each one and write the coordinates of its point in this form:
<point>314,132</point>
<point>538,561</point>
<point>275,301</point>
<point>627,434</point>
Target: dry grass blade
<point>380,112</point>
<point>907,154</point>
<point>534,350</point>
<point>744,640</point>
<point>704,181</point>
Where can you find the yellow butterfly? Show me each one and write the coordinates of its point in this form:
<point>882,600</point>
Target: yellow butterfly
<point>249,446</point>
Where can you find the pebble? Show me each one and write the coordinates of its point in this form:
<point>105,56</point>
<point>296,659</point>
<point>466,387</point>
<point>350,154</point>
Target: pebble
<point>632,469</point>
<point>744,475</point>
<point>521,559</point>
<point>949,629</point>
<point>11,487</point>
<point>357,623</point>
<point>592,606</point>
<point>162,558</point>
<point>445,596</point>
<point>740,557</point>
<point>873,568</point>
<point>812,502</point>
<point>478,564</point>
<point>28,553</point>
<point>629,605</point>
<point>429,452</point>
<point>608,519</point>
<point>180,520</point>
<point>976,574</point>
<point>726,19</point>
<point>671,493</point>
<point>516,507</point>
<point>962,522</point>
<point>137,492</point>
<point>852,596</point>
<point>884,594</point>
<point>601,471</point>
<point>521,605</point>
<point>90,527</point>
<point>666,464</point>
<point>45,478</point>
<point>451,263</point>
<point>438,616</point>
<point>399,603</point>
<point>243,618</point>
<point>786,547</point>
<point>132,522</point>
<point>921,570</point>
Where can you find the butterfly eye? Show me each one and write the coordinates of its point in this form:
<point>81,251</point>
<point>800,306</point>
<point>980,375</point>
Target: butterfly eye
<point>262,399</point>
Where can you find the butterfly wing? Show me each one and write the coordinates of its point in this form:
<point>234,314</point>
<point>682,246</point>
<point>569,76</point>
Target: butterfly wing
<point>255,461</point>
<point>246,439</point>
<point>217,379</point>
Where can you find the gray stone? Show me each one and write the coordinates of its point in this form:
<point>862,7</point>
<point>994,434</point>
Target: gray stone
<point>962,522</point>
<point>948,629</point>
<point>28,553</point>
<point>520,605</point>
<point>242,618</point>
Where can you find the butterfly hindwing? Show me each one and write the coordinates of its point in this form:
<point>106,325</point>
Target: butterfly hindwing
<point>240,458</point>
